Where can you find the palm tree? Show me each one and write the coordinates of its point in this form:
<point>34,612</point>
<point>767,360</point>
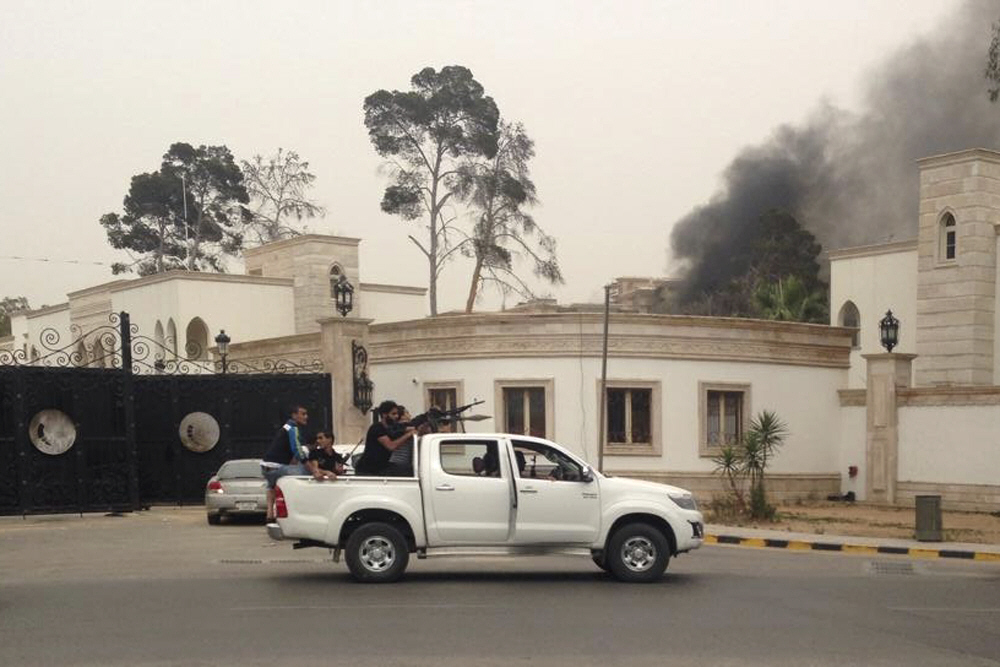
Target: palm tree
<point>790,300</point>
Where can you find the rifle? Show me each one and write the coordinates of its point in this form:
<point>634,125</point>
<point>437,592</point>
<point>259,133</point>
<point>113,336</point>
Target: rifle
<point>436,418</point>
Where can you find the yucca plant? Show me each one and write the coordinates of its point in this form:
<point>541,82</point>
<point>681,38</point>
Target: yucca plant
<point>729,464</point>
<point>761,442</point>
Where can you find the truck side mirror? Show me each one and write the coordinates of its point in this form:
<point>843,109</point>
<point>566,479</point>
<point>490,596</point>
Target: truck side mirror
<point>587,475</point>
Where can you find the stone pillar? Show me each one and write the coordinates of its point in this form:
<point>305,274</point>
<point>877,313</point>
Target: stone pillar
<point>336,335</point>
<point>886,374</point>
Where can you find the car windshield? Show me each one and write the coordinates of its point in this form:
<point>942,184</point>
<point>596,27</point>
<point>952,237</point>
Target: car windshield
<point>234,469</point>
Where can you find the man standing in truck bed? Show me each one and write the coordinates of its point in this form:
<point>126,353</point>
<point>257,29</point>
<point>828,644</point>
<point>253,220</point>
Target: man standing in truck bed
<point>379,444</point>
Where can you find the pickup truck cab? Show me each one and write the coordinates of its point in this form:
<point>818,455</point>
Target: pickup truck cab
<point>483,493</point>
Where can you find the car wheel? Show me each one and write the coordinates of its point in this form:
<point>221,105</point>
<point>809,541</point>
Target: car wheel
<point>377,553</point>
<point>215,519</point>
<point>598,559</point>
<point>637,552</point>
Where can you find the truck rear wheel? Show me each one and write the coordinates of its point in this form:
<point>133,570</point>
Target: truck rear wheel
<point>637,552</point>
<point>377,553</point>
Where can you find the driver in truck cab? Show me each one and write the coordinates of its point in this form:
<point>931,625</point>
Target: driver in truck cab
<point>379,444</point>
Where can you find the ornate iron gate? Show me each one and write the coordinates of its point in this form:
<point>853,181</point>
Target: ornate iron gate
<point>149,428</point>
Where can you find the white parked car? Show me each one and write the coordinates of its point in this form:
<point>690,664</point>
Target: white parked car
<point>476,493</point>
<point>238,488</point>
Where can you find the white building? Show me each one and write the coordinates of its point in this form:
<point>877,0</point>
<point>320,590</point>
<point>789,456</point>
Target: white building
<point>922,419</point>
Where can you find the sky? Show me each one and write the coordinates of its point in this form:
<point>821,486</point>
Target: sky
<point>635,107</point>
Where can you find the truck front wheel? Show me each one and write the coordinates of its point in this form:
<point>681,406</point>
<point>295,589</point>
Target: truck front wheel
<point>377,553</point>
<point>637,552</point>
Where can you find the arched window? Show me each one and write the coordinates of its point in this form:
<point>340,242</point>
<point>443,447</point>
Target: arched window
<point>196,346</point>
<point>171,339</point>
<point>161,340</point>
<point>948,242</point>
<point>850,317</point>
<point>335,272</point>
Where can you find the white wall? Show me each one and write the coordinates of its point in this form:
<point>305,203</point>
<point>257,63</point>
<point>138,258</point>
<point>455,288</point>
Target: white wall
<point>386,306</point>
<point>876,283</point>
<point>949,444</point>
<point>29,330</point>
<point>805,398</point>
<point>246,311</point>
<point>851,449</point>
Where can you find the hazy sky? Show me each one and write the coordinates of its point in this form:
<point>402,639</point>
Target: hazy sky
<point>635,108</point>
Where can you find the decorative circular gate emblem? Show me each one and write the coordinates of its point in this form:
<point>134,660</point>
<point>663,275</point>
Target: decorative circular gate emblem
<point>199,431</point>
<point>52,432</point>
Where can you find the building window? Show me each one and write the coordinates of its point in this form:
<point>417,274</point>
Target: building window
<point>948,240</point>
<point>632,417</point>
<point>723,415</point>
<point>442,395</point>
<point>526,407</point>
<point>851,318</point>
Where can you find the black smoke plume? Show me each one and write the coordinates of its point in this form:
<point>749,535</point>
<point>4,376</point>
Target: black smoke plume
<point>850,178</point>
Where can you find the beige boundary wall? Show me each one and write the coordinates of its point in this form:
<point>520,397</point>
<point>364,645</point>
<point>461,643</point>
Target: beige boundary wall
<point>950,446</point>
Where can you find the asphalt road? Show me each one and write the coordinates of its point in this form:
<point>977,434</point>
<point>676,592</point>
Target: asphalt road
<point>164,588</point>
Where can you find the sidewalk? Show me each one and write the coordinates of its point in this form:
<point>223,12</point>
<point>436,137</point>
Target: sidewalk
<point>780,539</point>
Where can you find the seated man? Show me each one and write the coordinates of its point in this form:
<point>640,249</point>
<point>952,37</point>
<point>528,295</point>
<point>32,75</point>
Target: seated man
<point>286,455</point>
<point>324,462</point>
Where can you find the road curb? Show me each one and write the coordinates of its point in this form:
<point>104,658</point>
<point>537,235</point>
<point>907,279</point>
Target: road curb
<point>846,547</point>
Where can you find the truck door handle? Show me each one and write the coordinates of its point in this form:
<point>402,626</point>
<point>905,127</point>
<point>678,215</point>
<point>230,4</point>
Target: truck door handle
<point>529,490</point>
<point>444,487</point>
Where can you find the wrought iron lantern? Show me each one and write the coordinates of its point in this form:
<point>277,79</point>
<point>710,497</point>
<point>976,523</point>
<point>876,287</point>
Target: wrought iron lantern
<point>363,385</point>
<point>222,341</point>
<point>888,328</point>
<point>343,293</point>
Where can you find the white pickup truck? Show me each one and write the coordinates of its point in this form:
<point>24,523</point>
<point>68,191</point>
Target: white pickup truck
<point>479,493</point>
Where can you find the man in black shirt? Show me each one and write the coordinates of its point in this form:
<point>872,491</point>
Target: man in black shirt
<point>379,444</point>
<point>324,461</point>
<point>286,455</point>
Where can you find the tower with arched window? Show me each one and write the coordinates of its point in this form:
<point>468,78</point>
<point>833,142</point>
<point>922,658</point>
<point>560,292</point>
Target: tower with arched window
<point>957,269</point>
<point>314,262</point>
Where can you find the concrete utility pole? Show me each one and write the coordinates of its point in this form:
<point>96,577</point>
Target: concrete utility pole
<point>604,381</point>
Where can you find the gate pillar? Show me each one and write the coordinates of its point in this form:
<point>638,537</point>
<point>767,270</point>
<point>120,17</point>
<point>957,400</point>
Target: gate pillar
<point>338,338</point>
<point>887,372</point>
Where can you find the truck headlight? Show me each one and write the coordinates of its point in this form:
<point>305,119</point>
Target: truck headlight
<point>684,500</point>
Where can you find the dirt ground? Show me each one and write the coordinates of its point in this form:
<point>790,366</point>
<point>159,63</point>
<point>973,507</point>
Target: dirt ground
<point>874,521</point>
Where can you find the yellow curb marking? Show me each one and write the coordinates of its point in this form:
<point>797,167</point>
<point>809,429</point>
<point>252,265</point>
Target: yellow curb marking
<point>924,553</point>
<point>799,545</point>
<point>986,556</point>
<point>753,542</point>
<point>859,549</point>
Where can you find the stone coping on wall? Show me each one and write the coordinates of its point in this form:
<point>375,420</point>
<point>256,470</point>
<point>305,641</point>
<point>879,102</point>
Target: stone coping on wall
<point>301,239</point>
<point>45,310</point>
<point>179,274</point>
<point>955,395</point>
<point>392,289</point>
<point>945,159</point>
<point>873,250</point>
<point>499,335</point>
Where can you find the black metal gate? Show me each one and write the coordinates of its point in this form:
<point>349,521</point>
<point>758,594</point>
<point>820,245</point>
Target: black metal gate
<point>75,438</point>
